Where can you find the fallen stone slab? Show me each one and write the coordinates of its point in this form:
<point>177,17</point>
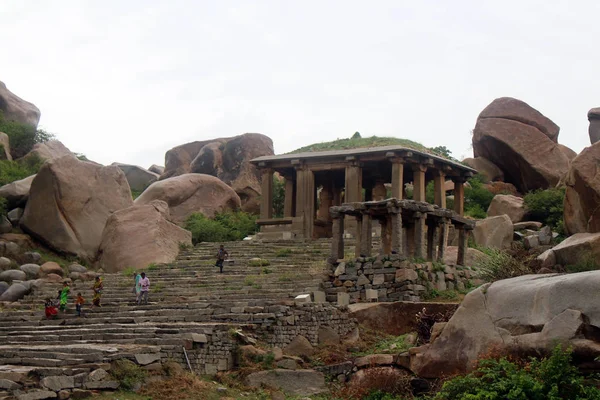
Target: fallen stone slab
<point>111,385</point>
<point>145,359</point>
<point>304,382</point>
<point>57,383</point>
<point>9,385</point>
<point>374,360</point>
<point>97,375</point>
<point>38,395</point>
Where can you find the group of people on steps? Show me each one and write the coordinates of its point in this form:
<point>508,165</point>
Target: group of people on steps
<point>141,290</point>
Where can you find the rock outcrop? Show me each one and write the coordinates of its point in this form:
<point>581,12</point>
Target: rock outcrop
<point>507,204</point>
<point>521,142</point>
<point>581,211</point>
<point>226,158</point>
<point>70,201</point>
<point>486,168</point>
<point>140,235</point>
<point>495,232</point>
<point>523,315</point>
<point>157,169</point>
<point>594,129</point>
<point>50,150</point>
<point>16,109</point>
<point>191,193</point>
<point>137,177</point>
<point>16,193</point>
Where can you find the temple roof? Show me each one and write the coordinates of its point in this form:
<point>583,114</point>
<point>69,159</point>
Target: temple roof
<point>367,152</point>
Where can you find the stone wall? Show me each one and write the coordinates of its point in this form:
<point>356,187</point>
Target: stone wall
<point>212,350</point>
<point>392,278</point>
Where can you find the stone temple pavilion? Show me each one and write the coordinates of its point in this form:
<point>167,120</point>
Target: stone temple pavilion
<point>329,193</point>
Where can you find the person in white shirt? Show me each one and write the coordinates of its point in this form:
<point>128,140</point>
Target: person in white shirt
<point>144,289</point>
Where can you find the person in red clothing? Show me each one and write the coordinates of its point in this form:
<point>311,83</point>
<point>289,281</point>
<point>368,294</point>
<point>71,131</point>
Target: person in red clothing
<point>50,309</point>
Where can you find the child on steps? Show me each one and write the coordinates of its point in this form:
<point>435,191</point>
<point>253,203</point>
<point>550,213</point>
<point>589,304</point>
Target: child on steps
<point>79,304</point>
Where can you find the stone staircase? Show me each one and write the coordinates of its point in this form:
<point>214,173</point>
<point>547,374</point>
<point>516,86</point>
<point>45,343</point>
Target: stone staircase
<point>190,305</point>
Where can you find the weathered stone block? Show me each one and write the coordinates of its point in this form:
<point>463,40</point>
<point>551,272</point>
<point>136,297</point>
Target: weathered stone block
<point>343,299</point>
<point>319,296</point>
<point>406,275</point>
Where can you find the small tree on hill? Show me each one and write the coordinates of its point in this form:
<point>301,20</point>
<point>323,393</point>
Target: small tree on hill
<point>356,135</point>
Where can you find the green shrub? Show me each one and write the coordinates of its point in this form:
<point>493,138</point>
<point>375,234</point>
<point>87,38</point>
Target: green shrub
<point>225,227</point>
<point>278,197</point>
<point>551,378</point>
<point>22,137</point>
<point>128,373</point>
<point>11,171</point>
<point>477,197</point>
<point>282,253</point>
<point>499,265</point>
<point>546,206</point>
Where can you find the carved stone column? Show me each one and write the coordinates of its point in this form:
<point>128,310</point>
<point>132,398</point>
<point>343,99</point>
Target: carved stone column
<point>398,179</point>
<point>397,234</point>
<point>442,238</point>
<point>266,196</point>
<point>419,234</point>
<point>337,241</point>
<point>462,246</point>
<point>459,195</point>
<point>439,178</point>
<point>386,237</point>
<point>431,245</point>
<point>419,182</point>
<point>366,236</point>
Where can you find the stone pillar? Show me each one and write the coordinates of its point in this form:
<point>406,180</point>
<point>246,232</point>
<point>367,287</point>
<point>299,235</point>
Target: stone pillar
<point>266,196</point>
<point>379,191</point>
<point>386,237</point>
<point>358,236</point>
<point>439,178</point>
<point>305,200</point>
<point>353,184</point>
<point>419,182</point>
<point>442,238</point>
<point>337,241</point>
<point>337,196</point>
<point>431,228</point>
<point>326,201</point>
<point>398,179</point>
<point>366,236</point>
<point>459,195</point>
<point>419,234</point>
<point>290,197</point>
<point>462,246</point>
<point>397,239</point>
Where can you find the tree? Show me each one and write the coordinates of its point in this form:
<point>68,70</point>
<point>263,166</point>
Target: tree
<point>356,135</point>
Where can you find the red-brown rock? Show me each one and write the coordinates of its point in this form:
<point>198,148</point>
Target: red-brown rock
<point>16,109</point>
<point>192,193</point>
<point>485,167</point>
<point>527,156</point>
<point>581,211</point>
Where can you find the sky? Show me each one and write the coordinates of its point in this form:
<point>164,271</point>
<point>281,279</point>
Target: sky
<point>126,81</point>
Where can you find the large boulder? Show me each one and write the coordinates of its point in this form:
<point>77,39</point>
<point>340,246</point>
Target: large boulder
<point>17,192</point>
<point>594,129</point>
<point>302,382</point>
<point>5,147</point>
<point>12,275</point>
<point>486,168</point>
<point>140,235</point>
<point>567,151</point>
<point>15,292</point>
<point>137,177</point>
<point>157,169</point>
<point>581,211</point>
<point>192,193</point>
<point>507,204</point>
<point>50,150</point>
<point>226,158</point>
<point>32,270</point>
<point>16,109</point>
<point>521,142</point>
<point>3,287</point>
<point>577,248</point>
<point>70,201</point>
<point>472,258</point>
<point>524,315</point>
<point>5,225</point>
<point>494,232</point>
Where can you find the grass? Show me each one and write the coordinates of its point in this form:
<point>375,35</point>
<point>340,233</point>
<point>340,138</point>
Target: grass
<point>283,253</point>
<point>152,267</point>
<point>250,280</point>
<point>258,262</point>
<point>287,277</point>
<point>355,143</point>
<point>128,271</point>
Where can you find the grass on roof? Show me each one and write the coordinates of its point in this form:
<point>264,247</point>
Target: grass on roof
<point>356,143</point>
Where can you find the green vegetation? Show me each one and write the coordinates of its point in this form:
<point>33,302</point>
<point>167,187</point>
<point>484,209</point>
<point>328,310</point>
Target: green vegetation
<point>185,246</point>
<point>283,253</point>
<point>258,262</point>
<point>500,265</point>
<point>278,196</point>
<point>393,344</point>
<point>551,378</point>
<point>224,227</point>
<point>22,137</point>
<point>546,206</point>
<point>11,171</point>
<point>359,142</point>
<point>477,197</point>
<point>586,263</point>
<point>136,193</point>
<point>128,374</point>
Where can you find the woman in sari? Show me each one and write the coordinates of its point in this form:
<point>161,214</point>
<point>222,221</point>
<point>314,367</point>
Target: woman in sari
<point>64,297</point>
<point>97,292</point>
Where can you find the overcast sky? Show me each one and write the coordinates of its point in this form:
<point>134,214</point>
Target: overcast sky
<point>127,80</point>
